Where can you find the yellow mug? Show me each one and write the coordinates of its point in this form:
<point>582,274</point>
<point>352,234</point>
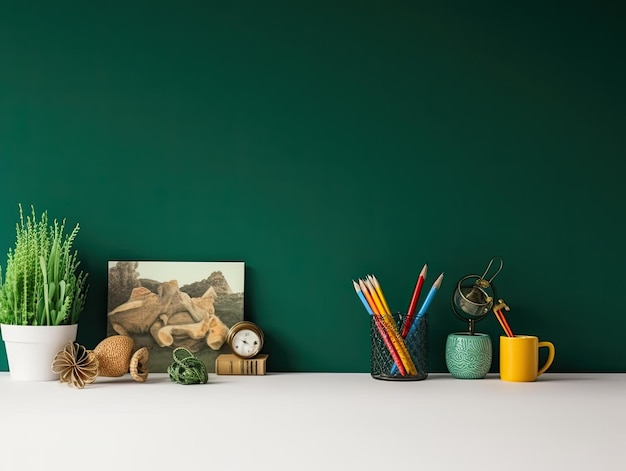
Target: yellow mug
<point>519,357</point>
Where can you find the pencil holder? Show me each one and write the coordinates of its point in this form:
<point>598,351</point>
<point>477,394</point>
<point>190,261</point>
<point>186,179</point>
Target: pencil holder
<point>394,358</point>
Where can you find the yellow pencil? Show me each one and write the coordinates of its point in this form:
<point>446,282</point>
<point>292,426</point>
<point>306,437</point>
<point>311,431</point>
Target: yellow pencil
<point>376,298</point>
<point>379,290</point>
<point>392,330</point>
<point>381,330</point>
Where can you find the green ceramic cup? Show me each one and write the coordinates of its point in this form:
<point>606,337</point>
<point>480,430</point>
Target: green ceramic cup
<point>468,356</point>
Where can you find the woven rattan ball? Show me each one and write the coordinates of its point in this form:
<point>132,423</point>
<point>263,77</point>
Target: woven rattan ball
<point>113,355</point>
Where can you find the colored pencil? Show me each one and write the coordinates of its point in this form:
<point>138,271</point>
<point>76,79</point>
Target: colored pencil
<point>379,291</point>
<point>377,301</point>
<point>381,330</point>
<point>431,294</point>
<point>390,326</point>
<point>368,297</point>
<point>389,344</point>
<point>359,292</point>
<point>502,320</point>
<point>414,299</point>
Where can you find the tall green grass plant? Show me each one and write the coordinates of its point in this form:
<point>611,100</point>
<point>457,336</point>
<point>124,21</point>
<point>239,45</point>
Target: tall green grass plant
<point>42,284</point>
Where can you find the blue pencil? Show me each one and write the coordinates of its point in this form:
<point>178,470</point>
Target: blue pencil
<point>357,288</point>
<point>431,294</point>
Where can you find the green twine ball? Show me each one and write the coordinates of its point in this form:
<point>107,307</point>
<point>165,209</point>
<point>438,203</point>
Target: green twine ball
<point>187,369</point>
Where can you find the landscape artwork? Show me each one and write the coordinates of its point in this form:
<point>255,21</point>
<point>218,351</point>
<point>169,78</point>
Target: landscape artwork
<point>165,305</point>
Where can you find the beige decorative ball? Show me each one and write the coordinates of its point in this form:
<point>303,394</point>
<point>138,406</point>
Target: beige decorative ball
<point>113,355</point>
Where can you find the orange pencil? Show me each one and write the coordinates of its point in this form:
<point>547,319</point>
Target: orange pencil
<point>374,295</point>
<point>368,297</point>
<point>377,309</point>
<point>391,328</point>
<point>381,330</point>
<point>505,325</point>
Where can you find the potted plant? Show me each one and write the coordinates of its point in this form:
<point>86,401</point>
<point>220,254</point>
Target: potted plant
<point>42,294</point>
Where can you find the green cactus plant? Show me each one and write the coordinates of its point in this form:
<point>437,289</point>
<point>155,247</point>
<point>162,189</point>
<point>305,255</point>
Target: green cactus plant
<point>42,284</point>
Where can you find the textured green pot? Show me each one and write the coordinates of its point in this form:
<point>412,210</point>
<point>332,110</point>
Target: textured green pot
<point>468,356</point>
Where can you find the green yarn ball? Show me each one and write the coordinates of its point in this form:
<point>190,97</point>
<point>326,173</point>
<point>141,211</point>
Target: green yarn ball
<point>187,369</point>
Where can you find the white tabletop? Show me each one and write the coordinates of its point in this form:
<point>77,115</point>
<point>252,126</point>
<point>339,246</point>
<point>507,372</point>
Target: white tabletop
<point>311,421</point>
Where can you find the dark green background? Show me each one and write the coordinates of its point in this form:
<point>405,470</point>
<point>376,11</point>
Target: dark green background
<point>322,141</point>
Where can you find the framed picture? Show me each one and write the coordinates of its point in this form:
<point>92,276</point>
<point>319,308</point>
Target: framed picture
<point>165,305</point>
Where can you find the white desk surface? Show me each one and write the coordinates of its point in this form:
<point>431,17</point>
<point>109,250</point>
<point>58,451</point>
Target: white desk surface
<point>316,421</point>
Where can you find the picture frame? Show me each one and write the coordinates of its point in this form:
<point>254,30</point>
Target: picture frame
<point>163,305</point>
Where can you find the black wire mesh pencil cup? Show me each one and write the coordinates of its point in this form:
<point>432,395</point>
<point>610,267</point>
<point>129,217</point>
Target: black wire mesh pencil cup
<point>394,358</point>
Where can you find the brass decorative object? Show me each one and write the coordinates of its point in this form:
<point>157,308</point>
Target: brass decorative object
<point>113,357</point>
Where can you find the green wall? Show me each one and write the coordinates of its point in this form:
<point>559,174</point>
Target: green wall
<point>322,141</point>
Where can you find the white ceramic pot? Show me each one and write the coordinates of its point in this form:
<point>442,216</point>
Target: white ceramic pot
<point>31,349</point>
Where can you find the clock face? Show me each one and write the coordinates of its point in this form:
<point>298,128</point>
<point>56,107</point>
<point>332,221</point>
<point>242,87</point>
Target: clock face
<point>245,339</point>
<point>246,343</point>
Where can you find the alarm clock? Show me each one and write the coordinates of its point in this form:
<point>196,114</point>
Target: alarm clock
<point>245,339</point>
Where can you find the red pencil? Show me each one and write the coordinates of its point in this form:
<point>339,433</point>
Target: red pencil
<point>389,344</point>
<point>379,325</point>
<point>414,299</point>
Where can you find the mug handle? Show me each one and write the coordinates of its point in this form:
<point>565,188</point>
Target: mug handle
<point>546,365</point>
